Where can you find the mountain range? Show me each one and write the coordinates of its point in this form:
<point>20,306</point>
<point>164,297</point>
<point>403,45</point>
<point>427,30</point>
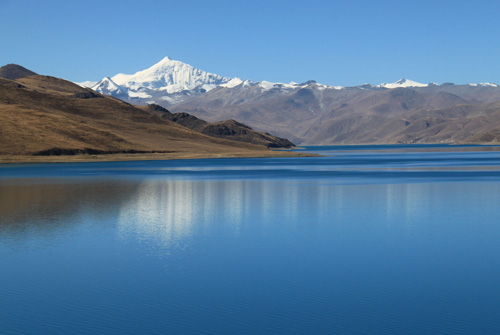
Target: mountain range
<point>311,113</point>
<point>165,83</point>
<point>45,116</point>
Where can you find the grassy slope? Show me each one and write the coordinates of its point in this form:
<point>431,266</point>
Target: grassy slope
<point>39,113</point>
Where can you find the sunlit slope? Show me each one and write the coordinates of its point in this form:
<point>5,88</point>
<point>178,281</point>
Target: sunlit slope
<point>40,113</point>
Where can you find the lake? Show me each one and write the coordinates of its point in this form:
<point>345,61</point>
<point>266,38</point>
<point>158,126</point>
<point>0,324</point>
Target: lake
<point>366,240</point>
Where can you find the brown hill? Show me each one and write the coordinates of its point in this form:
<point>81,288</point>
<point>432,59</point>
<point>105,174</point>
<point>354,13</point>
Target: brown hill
<point>49,116</point>
<point>229,129</point>
<point>14,71</point>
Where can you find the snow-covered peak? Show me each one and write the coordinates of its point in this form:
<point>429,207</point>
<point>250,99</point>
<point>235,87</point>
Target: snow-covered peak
<point>485,85</point>
<point>165,60</point>
<point>108,86</point>
<point>232,83</point>
<point>87,84</point>
<point>265,85</point>
<point>170,76</point>
<point>402,83</point>
<point>247,83</point>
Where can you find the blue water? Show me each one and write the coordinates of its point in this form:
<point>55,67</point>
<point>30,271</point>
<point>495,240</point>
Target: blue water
<point>382,240</point>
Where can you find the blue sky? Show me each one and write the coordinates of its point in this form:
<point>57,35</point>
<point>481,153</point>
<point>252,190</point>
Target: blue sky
<point>333,42</point>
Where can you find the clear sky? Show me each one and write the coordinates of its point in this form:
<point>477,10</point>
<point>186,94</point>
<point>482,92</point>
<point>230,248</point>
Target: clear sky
<point>347,42</point>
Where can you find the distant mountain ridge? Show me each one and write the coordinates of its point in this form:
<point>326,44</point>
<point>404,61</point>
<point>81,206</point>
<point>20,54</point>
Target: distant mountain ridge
<point>169,82</point>
<point>313,113</point>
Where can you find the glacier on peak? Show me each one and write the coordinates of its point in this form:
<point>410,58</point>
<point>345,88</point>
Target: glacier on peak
<point>485,85</point>
<point>232,83</point>
<point>171,81</point>
<point>171,76</point>
<point>87,84</point>
<point>402,83</point>
<point>266,85</point>
<point>108,86</point>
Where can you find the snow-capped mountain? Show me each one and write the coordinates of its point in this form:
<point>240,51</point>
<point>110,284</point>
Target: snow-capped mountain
<point>485,85</point>
<point>109,87</point>
<point>170,82</point>
<point>171,76</point>
<point>404,111</point>
<point>89,83</point>
<point>402,83</point>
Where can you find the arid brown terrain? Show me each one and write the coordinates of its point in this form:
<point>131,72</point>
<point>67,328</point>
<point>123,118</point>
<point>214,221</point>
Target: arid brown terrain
<point>229,129</point>
<point>50,119</point>
<point>315,115</point>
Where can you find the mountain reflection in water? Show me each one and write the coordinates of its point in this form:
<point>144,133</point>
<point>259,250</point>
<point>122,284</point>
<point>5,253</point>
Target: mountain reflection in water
<point>165,211</point>
<point>357,243</point>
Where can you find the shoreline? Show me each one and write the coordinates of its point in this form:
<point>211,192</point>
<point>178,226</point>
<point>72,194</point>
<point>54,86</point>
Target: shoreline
<point>82,158</point>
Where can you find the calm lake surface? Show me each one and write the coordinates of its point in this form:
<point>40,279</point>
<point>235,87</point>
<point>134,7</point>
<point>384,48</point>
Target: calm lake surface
<point>368,240</point>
